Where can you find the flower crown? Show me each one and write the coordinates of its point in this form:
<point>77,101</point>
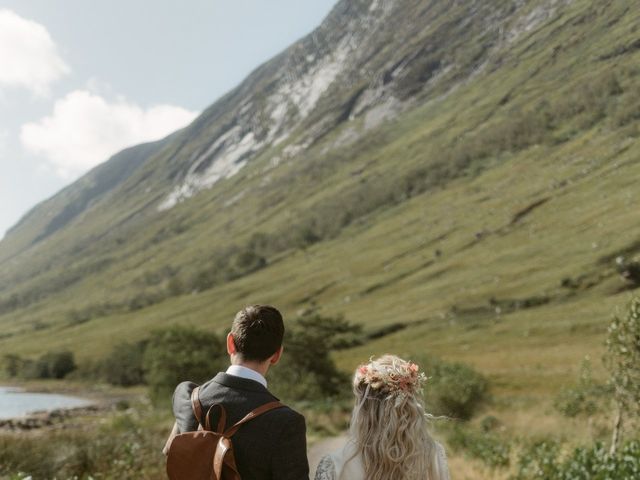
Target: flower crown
<point>397,376</point>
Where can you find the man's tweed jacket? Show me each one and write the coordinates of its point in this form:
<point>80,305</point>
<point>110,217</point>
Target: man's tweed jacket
<point>269,447</point>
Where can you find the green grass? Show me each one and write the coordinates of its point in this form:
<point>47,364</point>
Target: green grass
<point>486,159</point>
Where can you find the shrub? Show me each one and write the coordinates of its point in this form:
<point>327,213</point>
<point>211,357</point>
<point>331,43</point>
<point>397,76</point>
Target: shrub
<point>50,365</point>
<point>247,261</point>
<point>175,286</point>
<point>629,270</point>
<point>119,446</point>
<point>489,448</point>
<point>124,365</point>
<point>538,461</point>
<point>144,299</point>
<point>177,354</point>
<point>12,364</point>
<point>453,389</point>
<point>623,360</point>
<point>307,371</point>
<point>542,460</point>
<point>582,398</point>
<point>489,423</point>
<point>57,364</point>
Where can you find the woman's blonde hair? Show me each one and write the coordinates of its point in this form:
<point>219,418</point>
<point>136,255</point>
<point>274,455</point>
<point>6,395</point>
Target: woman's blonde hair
<point>389,422</point>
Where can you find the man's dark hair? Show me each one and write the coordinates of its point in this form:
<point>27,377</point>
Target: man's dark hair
<point>257,332</point>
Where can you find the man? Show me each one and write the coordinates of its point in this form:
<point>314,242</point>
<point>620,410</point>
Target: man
<point>273,445</point>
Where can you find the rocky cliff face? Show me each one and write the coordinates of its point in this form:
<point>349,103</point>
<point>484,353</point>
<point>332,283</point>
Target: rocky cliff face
<point>370,60</point>
<point>278,104</point>
<point>367,62</point>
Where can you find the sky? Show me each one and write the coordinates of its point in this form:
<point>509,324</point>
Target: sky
<point>81,80</point>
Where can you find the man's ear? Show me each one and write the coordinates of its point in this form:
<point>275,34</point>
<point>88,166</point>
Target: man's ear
<point>231,344</point>
<point>275,358</point>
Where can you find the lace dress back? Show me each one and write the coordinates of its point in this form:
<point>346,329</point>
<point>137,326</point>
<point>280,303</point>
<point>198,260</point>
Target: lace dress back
<point>346,464</point>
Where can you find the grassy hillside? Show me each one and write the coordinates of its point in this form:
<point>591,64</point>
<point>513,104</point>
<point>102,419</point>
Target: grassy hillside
<point>480,222</point>
<point>484,221</point>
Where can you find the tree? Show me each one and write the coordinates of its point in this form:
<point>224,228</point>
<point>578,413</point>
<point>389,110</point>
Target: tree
<point>13,364</point>
<point>59,364</point>
<point>457,389</point>
<point>307,371</point>
<point>176,354</point>
<point>453,389</point>
<point>123,366</point>
<point>623,361</point>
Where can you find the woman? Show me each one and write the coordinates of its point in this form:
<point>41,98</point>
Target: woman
<point>388,438</point>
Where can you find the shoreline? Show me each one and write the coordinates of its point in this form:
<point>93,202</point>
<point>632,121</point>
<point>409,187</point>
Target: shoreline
<point>49,418</point>
<point>99,400</point>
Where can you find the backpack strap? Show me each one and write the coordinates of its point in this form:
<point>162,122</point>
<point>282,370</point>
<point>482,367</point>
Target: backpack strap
<point>267,407</point>
<point>196,406</point>
<point>222,421</point>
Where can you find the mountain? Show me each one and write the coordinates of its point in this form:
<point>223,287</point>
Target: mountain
<point>457,174</point>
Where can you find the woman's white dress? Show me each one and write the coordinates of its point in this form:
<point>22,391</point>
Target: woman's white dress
<point>346,464</point>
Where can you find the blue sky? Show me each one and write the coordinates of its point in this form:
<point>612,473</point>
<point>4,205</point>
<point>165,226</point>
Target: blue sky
<point>80,80</point>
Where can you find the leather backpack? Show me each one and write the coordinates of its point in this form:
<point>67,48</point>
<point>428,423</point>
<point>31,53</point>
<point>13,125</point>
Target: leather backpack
<point>208,454</point>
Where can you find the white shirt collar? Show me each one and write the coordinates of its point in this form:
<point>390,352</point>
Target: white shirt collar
<point>244,372</point>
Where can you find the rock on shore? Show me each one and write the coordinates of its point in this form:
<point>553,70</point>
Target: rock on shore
<point>39,420</point>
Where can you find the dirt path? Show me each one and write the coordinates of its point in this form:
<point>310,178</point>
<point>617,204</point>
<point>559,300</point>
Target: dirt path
<point>321,448</point>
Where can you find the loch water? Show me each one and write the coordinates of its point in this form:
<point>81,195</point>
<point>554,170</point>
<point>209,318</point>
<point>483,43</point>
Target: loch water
<point>14,402</point>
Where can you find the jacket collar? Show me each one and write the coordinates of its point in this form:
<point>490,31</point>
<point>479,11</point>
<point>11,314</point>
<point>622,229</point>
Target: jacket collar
<point>244,372</point>
<point>240,383</point>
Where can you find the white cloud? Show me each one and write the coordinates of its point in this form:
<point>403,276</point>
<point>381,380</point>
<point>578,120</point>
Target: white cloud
<point>4,139</point>
<point>28,56</point>
<point>85,129</point>
<point>4,149</point>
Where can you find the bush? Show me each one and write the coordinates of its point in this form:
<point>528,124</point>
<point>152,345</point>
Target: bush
<point>119,446</point>
<point>124,365</point>
<point>542,460</point>
<point>489,424</point>
<point>247,261</point>
<point>623,361</point>
<point>629,270</point>
<point>50,365</point>
<point>12,365</point>
<point>453,389</point>
<point>227,264</point>
<point>584,397</point>
<point>177,354</point>
<point>538,461</point>
<point>489,448</point>
<point>307,371</point>
<point>57,364</point>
